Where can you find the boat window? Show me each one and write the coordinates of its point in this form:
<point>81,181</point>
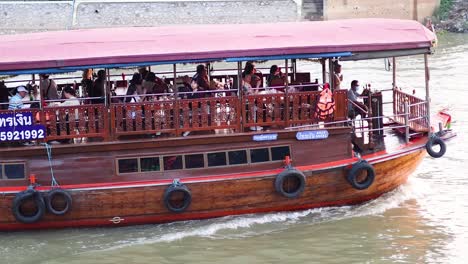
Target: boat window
<point>150,164</point>
<point>128,165</point>
<point>259,155</point>
<point>194,161</point>
<point>216,159</point>
<point>173,162</point>
<point>14,171</point>
<point>279,153</point>
<point>237,157</point>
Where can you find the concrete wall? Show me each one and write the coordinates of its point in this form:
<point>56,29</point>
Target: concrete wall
<point>21,16</point>
<point>98,14</point>
<point>31,16</point>
<point>403,9</point>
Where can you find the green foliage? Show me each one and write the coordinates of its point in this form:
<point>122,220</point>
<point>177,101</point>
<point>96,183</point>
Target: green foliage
<point>444,9</point>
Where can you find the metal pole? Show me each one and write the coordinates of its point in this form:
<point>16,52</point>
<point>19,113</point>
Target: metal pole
<point>406,120</point>
<point>331,74</point>
<point>324,71</point>
<point>286,97</point>
<point>241,105</point>
<point>107,88</point>
<point>394,85</point>
<point>428,98</point>
<point>176,98</point>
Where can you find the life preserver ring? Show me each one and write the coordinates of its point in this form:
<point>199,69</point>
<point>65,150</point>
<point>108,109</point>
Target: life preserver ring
<point>181,202</point>
<point>355,172</point>
<point>435,141</point>
<point>51,207</point>
<point>19,201</point>
<point>290,183</point>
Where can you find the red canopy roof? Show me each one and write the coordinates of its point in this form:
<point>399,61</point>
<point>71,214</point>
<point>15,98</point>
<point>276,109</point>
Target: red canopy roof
<point>150,44</point>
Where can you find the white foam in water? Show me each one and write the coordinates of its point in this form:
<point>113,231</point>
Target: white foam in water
<point>414,189</point>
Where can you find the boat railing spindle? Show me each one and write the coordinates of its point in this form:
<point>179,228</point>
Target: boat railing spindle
<point>406,107</point>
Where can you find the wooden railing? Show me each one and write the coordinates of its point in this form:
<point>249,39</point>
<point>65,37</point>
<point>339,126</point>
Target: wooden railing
<point>208,113</point>
<point>264,110</point>
<point>184,115</point>
<point>66,122</point>
<point>143,118</point>
<point>417,110</point>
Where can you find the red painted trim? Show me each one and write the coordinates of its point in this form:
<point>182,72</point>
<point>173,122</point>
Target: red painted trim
<point>373,158</point>
<point>171,217</point>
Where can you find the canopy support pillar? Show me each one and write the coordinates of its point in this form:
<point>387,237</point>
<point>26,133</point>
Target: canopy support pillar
<point>286,96</point>
<point>240,94</point>
<point>177,102</point>
<point>428,97</point>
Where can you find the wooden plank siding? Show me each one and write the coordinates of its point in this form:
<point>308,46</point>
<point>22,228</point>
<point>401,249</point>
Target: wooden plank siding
<point>218,198</point>
<point>78,165</point>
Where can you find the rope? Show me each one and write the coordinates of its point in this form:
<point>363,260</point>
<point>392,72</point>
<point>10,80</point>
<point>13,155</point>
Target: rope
<point>54,182</point>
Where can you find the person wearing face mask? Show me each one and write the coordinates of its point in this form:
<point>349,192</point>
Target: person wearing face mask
<point>354,106</point>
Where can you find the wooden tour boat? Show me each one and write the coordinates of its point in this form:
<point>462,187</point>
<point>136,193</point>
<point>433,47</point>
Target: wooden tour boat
<point>122,163</point>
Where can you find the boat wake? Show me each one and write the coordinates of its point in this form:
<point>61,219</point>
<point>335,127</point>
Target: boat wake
<point>233,227</point>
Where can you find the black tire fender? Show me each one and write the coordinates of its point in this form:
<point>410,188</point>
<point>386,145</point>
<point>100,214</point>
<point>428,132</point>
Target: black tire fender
<point>436,141</point>
<point>58,192</point>
<point>20,198</point>
<point>356,170</point>
<point>290,173</point>
<point>174,188</point>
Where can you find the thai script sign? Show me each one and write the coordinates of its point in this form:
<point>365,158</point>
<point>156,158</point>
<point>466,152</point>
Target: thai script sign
<point>312,135</point>
<point>265,137</point>
<point>19,126</point>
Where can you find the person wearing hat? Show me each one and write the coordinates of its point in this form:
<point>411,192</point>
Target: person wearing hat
<point>16,101</point>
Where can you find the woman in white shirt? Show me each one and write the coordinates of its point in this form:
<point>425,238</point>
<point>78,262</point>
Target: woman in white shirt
<point>70,96</point>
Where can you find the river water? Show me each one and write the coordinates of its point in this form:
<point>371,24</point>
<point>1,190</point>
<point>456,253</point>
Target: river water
<point>424,221</point>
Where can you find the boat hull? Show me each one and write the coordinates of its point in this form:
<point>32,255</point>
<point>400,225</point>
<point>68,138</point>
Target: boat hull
<point>142,203</point>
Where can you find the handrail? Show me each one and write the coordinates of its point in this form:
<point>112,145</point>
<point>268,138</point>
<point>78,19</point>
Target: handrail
<point>353,103</point>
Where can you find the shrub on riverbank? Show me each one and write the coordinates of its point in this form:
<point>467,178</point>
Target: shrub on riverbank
<point>452,15</point>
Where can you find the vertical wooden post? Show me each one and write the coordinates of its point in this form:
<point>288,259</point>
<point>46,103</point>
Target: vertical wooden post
<point>286,95</point>
<point>428,97</point>
<point>240,95</point>
<point>324,70</point>
<point>177,112</point>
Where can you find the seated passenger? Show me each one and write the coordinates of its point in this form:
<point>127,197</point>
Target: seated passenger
<point>4,94</point>
<point>200,81</point>
<point>135,85</point>
<point>249,70</point>
<point>354,106</point>
<point>276,77</point>
<point>153,85</point>
<point>16,101</point>
<point>70,96</point>
<point>185,88</point>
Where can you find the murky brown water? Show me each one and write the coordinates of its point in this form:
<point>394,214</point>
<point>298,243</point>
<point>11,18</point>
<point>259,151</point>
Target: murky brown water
<point>424,221</point>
